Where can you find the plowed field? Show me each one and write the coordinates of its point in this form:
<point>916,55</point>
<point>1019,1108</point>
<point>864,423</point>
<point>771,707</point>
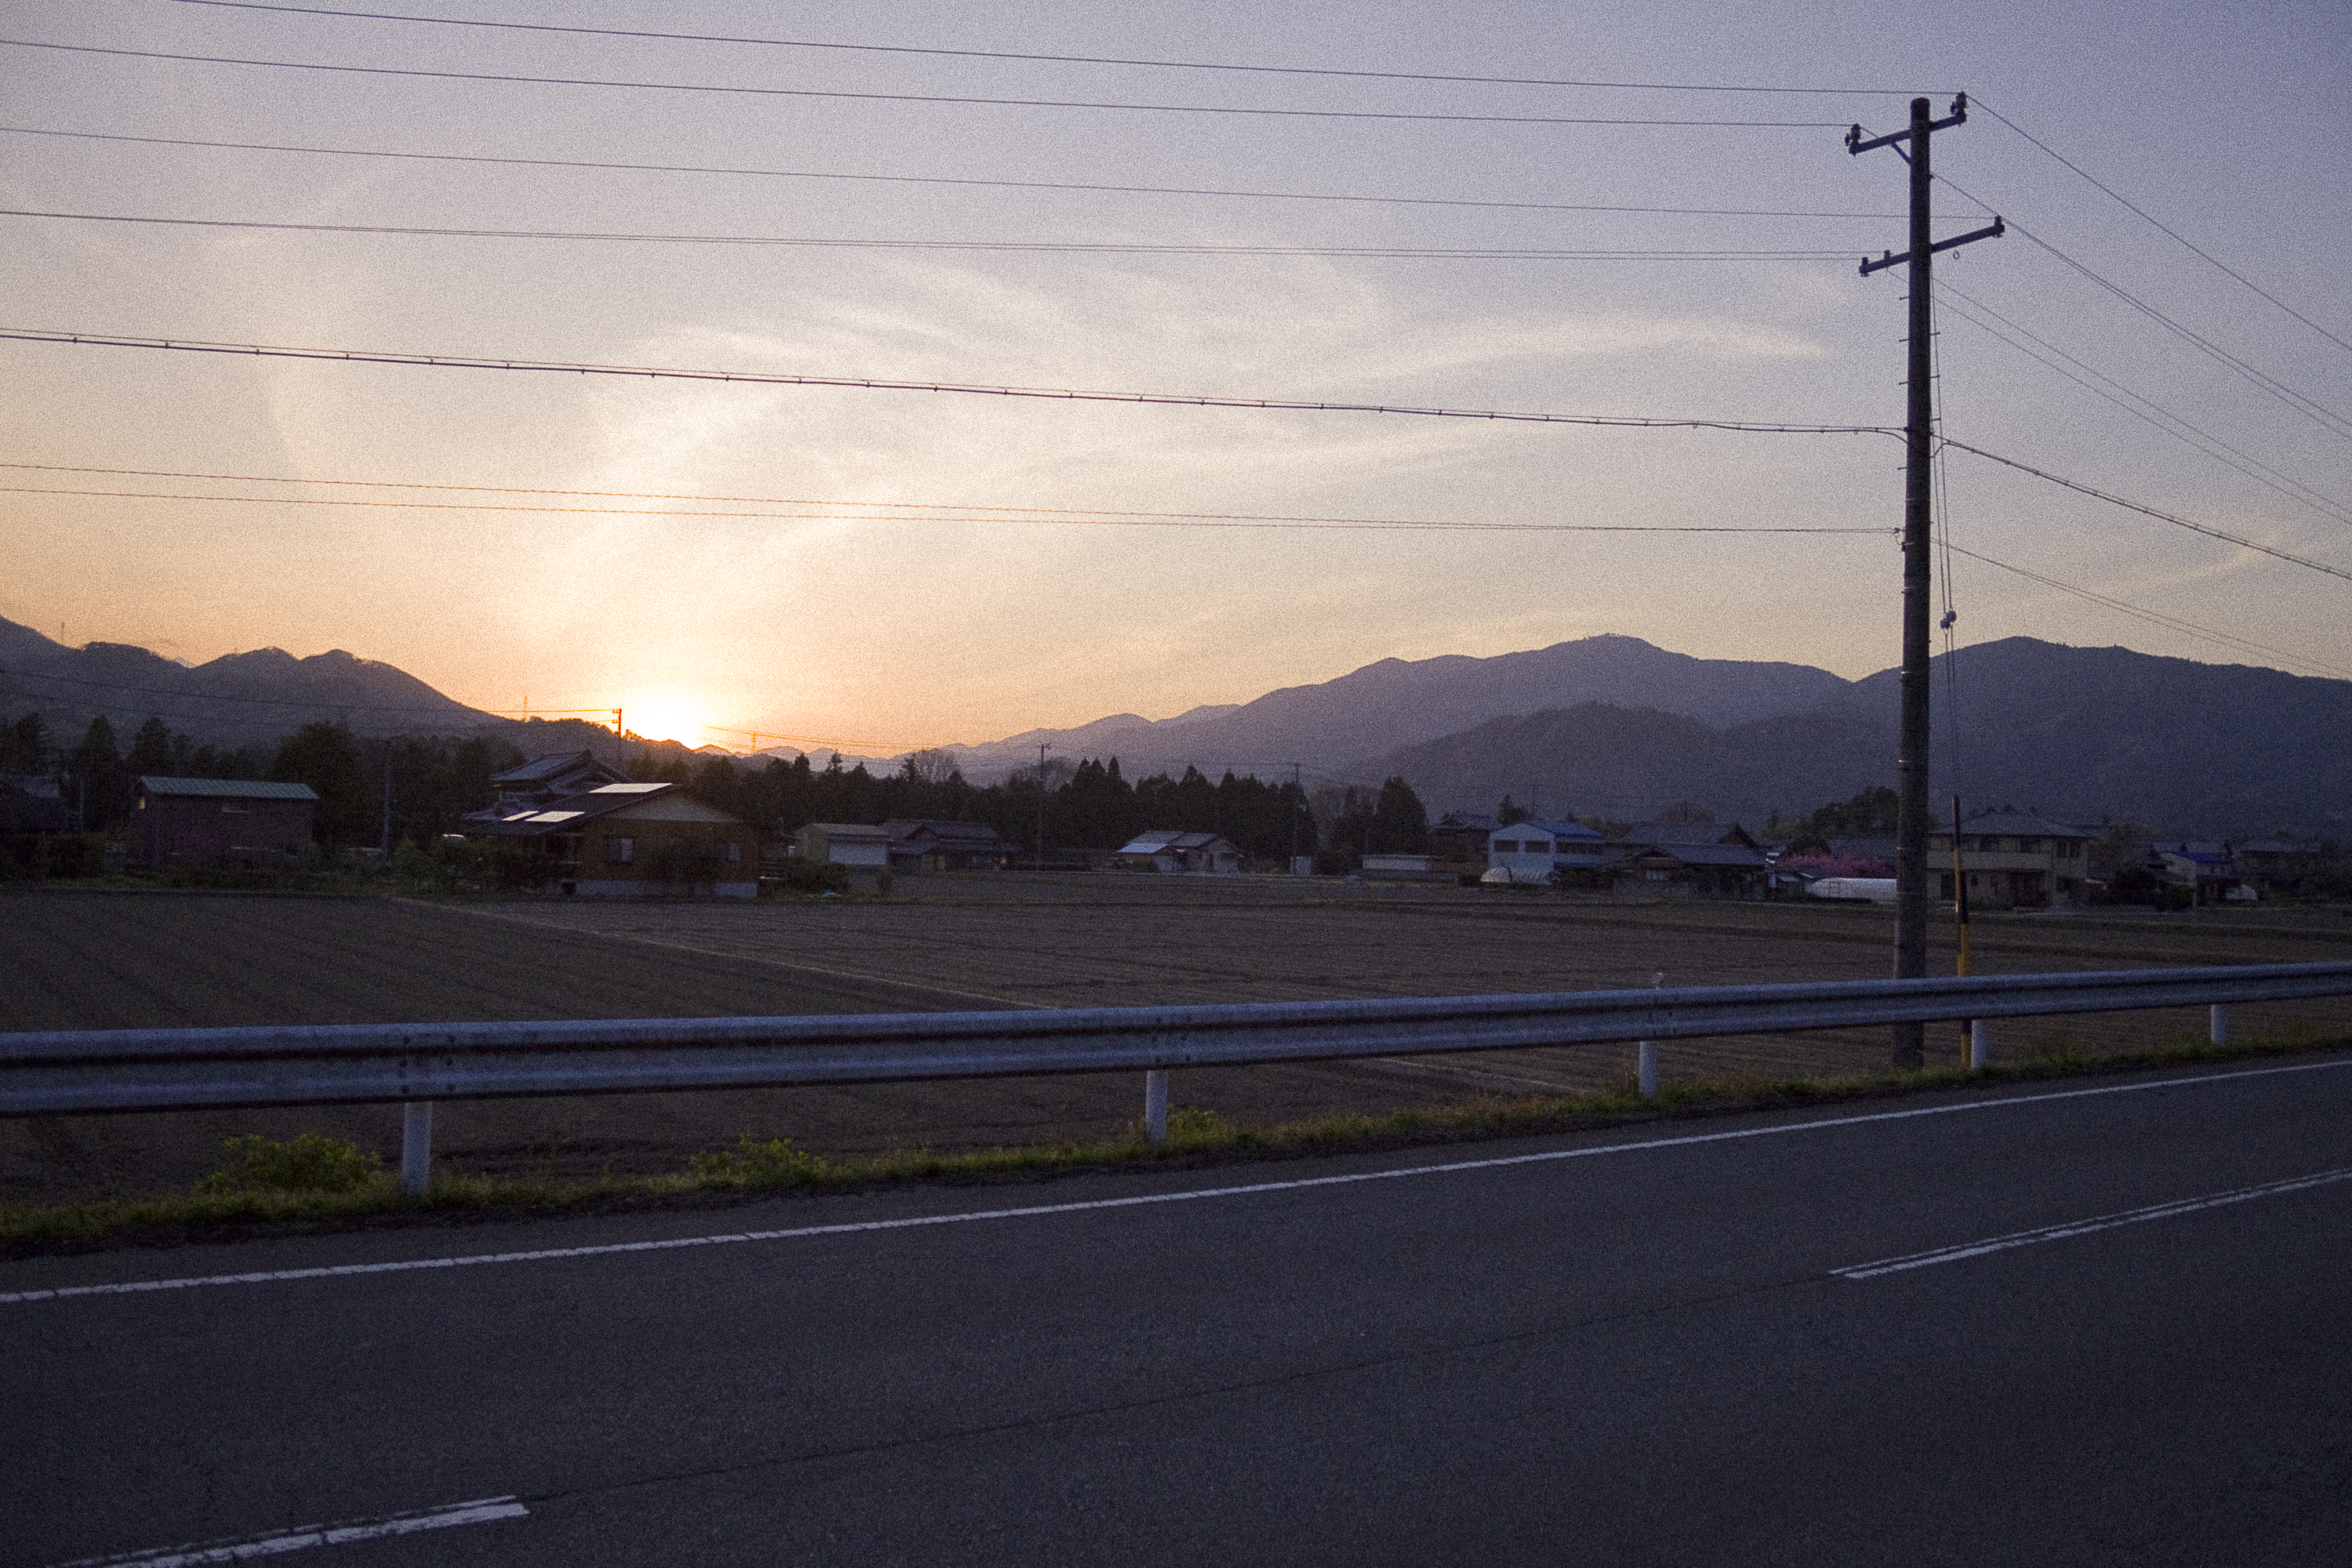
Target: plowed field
<point>129,960</point>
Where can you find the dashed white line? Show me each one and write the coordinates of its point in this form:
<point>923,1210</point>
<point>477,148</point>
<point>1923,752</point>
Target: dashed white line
<point>1198,1194</point>
<point>1961,1250</point>
<point>479,1511</point>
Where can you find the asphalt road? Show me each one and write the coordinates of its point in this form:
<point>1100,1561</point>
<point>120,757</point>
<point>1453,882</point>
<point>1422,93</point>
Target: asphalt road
<point>1657,1346</point>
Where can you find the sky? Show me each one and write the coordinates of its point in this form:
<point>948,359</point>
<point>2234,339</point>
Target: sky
<point>885,569</point>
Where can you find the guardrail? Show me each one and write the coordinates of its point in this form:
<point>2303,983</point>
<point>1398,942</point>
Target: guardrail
<point>85,1071</point>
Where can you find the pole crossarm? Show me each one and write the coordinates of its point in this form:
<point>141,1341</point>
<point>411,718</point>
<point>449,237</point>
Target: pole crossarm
<point>114,1071</point>
<point>1992,230</point>
<point>1856,143</point>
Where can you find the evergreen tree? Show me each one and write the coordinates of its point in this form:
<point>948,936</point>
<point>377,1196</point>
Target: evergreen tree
<point>323,756</point>
<point>150,749</point>
<point>97,784</point>
<point>24,745</point>
<point>1509,812</point>
<point>1400,822</point>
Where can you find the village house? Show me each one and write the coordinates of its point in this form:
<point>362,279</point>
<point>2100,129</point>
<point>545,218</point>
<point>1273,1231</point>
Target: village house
<point>1460,838</point>
<point>947,847</point>
<point>538,784</point>
<point>2014,859</point>
<point>33,803</point>
<point>1692,859</point>
<point>857,843</point>
<point>628,839</point>
<point>1533,850</point>
<point>1172,849</point>
<point>245,821</point>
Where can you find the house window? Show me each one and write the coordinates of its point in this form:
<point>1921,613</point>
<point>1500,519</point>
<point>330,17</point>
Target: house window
<point>2030,846</point>
<point>1506,846</point>
<point>730,851</point>
<point>1947,886</point>
<point>620,851</point>
<point>236,808</point>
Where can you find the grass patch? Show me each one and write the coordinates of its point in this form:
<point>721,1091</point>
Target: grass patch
<point>309,1183</point>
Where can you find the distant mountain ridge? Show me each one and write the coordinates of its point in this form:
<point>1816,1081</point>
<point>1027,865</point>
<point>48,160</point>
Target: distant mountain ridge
<point>2081,734</point>
<point>1399,702</point>
<point>239,698</point>
<point>1606,725</point>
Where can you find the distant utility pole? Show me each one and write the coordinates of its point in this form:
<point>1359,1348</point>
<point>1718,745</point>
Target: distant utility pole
<point>1911,820</point>
<point>387,800</point>
<point>1041,806</point>
<point>1297,804</point>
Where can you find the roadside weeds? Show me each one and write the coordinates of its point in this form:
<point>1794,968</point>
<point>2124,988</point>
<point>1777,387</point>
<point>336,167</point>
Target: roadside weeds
<point>236,1205</point>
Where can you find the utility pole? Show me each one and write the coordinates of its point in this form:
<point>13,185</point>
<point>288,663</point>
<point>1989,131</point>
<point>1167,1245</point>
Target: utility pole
<point>1297,804</point>
<point>387,801</point>
<point>1911,820</point>
<point>1041,806</point>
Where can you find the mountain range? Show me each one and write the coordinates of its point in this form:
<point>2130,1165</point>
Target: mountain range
<point>238,698</point>
<point>1605,725</point>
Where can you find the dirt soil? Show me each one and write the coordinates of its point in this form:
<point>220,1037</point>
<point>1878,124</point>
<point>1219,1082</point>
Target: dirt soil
<point>106,960</point>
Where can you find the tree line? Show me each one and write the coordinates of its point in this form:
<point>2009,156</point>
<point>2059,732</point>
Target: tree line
<point>429,783</point>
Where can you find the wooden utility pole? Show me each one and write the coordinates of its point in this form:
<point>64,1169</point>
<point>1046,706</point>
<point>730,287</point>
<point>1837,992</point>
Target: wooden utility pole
<point>1911,820</point>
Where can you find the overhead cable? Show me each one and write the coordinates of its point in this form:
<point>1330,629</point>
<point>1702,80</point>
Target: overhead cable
<point>1077,248</point>
<point>2145,409</point>
<point>761,378</point>
<point>2206,528</point>
<point>941,180</point>
<point>510,78</point>
<point>1048,59</point>
<point>2311,408</point>
<point>1108,521</point>
<point>2156,617</point>
<point>2160,227</point>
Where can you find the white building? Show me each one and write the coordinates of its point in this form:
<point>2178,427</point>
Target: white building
<point>1532,850</point>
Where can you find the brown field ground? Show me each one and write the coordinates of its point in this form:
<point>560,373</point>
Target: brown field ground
<point>106,960</point>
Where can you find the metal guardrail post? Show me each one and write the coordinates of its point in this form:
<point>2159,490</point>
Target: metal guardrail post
<point>2218,1026</point>
<point>1155,1106</point>
<point>416,1147</point>
<point>1980,1043</point>
<point>1646,1069</point>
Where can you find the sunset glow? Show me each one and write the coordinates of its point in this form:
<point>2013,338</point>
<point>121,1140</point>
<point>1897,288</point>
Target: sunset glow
<point>665,719</point>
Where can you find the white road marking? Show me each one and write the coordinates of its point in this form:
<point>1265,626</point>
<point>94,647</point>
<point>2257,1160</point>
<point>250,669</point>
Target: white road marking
<point>480,1512</point>
<point>1955,1253</point>
<point>1198,1194</point>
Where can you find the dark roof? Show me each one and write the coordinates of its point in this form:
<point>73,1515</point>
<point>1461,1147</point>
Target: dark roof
<point>1713,855</point>
<point>975,833</point>
<point>1557,830</point>
<point>44,786</point>
<point>565,816</point>
<point>1681,833</point>
<point>2020,825</point>
<point>1864,847</point>
<point>227,789</point>
<point>542,770</point>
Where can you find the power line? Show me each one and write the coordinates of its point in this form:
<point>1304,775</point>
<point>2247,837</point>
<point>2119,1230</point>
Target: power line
<point>758,378</point>
<point>2139,407</point>
<point>2207,530</point>
<point>1049,59</point>
<point>2156,617</point>
<point>1025,513</point>
<point>511,79</point>
<point>2311,408</point>
<point>1089,247</point>
<point>932,179</point>
<point>866,517</point>
<point>2161,228</point>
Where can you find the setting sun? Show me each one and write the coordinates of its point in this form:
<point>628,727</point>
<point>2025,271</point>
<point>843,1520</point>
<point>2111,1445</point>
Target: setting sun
<point>664,718</point>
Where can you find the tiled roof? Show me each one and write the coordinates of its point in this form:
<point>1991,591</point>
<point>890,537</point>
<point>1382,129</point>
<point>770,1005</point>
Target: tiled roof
<point>227,789</point>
